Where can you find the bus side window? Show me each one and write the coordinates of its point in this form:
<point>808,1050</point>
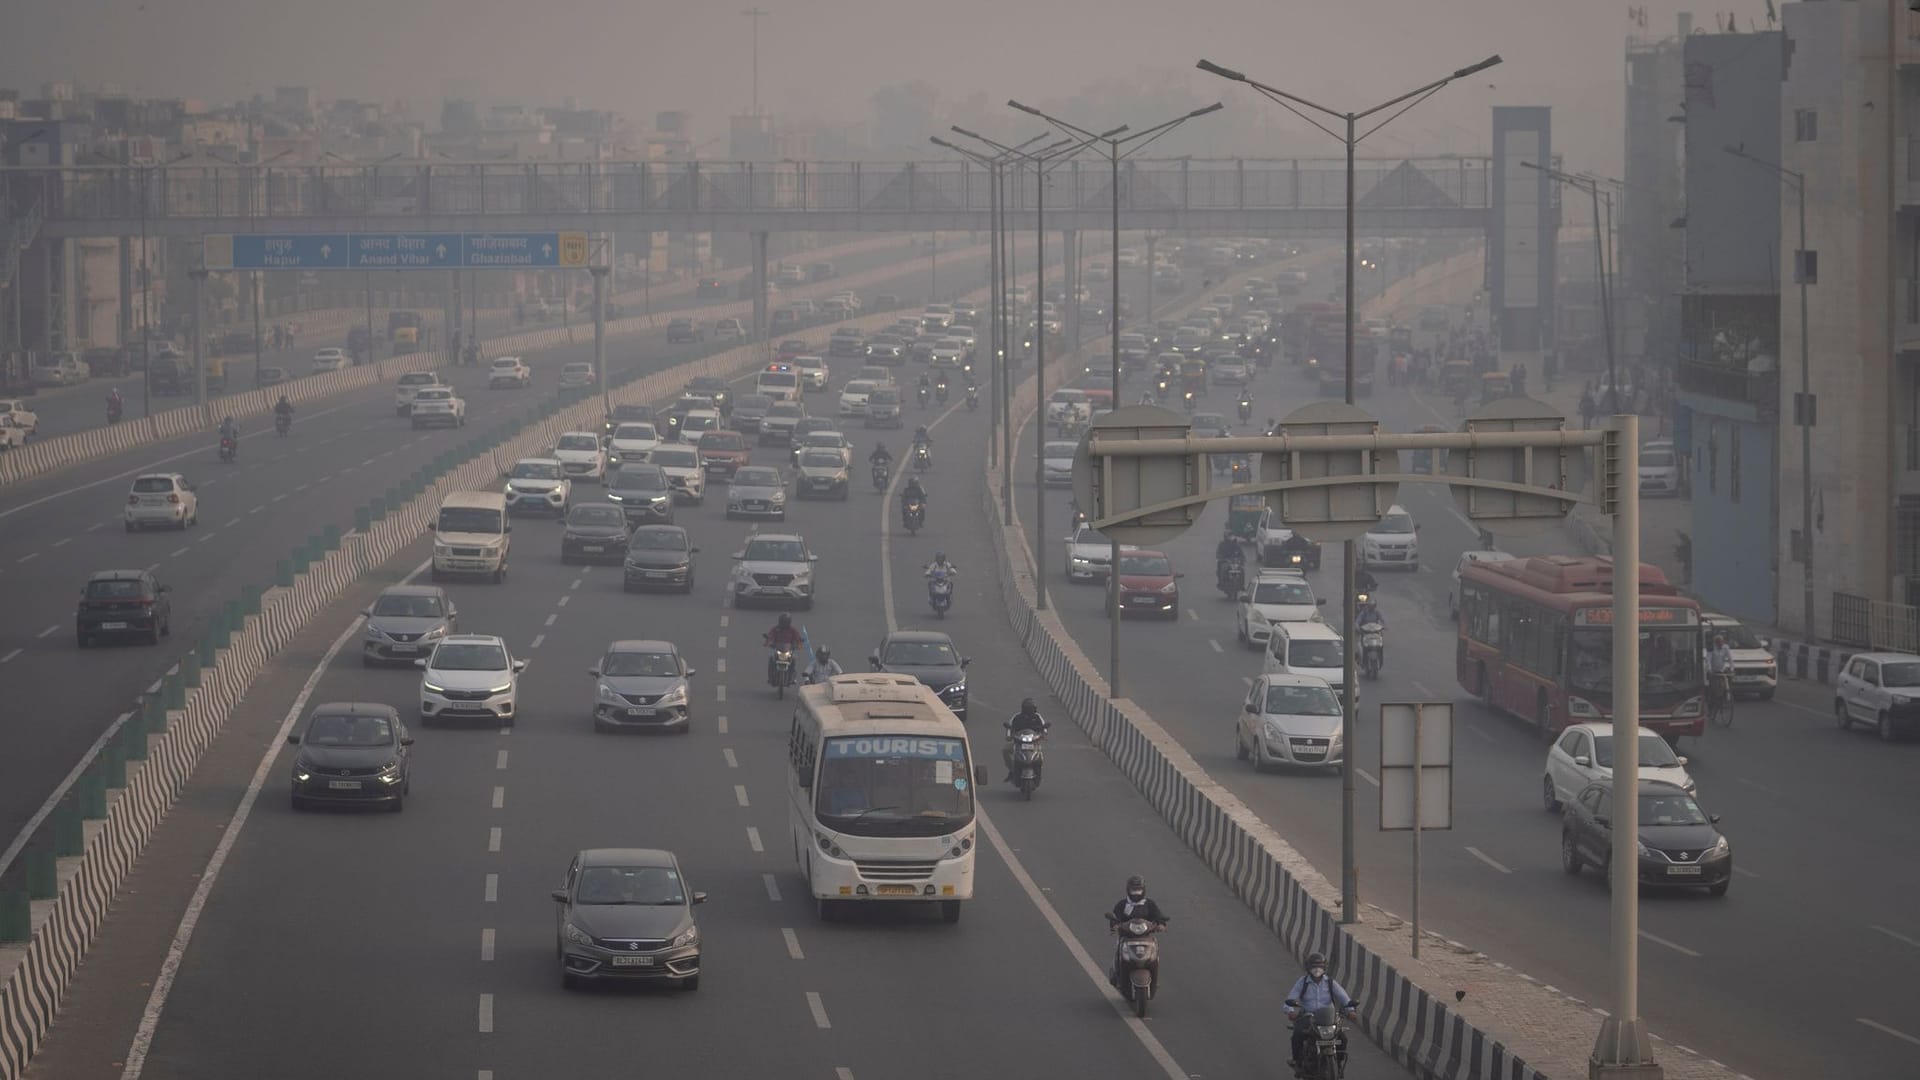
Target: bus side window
<point>1557,662</point>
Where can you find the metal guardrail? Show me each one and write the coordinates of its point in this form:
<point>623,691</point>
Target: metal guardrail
<point>397,191</point>
<point>1852,622</point>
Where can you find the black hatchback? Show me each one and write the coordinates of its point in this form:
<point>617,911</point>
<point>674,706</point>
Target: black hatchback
<point>352,752</point>
<point>1679,845</point>
<point>643,494</point>
<point>123,604</point>
<point>596,533</point>
<point>658,557</point>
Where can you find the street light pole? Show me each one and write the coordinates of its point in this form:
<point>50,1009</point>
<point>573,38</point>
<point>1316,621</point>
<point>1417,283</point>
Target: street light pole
<point>1591,186</point>
<point>1803,414</point>
<point>1349,871</point>
<point>1113,334</point>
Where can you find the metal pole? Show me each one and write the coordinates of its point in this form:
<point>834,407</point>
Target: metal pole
<point>1419,716</point>
<point>933,267</point>
<point>600,334</point>
<point>1149,304</point>
<point>370,348</point>
<point>1606,310</point>
<point>1623,1044</point>
<point>258,339</point>
<point>1349,722</point>
<point>994,300</point>
<point>146,307</point>
<point>1040,390</point>
<point>1113,344</point>
<point>199,365</point>
<point>1803,416</point>
<point>1009,273</point>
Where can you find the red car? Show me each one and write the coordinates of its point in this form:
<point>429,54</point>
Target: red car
<point>722,452</point>
<point>789,350</point>
<point>1149,584</point>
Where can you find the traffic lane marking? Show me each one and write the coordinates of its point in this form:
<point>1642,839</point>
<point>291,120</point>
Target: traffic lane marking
<point>1674,945</point>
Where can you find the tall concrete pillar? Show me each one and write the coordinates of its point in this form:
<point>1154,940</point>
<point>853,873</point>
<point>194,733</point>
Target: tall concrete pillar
<point>1070,254</point>
<point>760,286</point>
<point>125,267</point>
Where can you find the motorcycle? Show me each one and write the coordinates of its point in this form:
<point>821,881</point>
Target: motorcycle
<point>882,475</point>
<point>1373,648</point>
<point>913,516</point>
<point>923,397</point>
<point>940,592</point>
<point>1190,402</point>
<point>973,399</point>
<point>283,423</point>
<point>1139,975</point>
<point>1246,409</point>
<point>229,448</point>
<point>1028,761</point>
<point>113,412</point>
<point>1324,1057</point>
<point>1231,577</point>
<point>922,458</point>
<point>782,670</point>
<point>940,392</point>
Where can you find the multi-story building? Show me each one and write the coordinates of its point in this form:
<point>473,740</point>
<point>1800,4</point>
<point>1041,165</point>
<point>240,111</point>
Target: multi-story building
<point>1651,201</point>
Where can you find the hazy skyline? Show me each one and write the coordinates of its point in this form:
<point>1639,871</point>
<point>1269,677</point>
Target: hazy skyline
<point>824,61</point>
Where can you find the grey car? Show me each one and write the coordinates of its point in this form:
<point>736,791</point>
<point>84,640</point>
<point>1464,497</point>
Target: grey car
<point>405,622</point>
<point>642,686</point>
<point>749,411</point>
<point>352,752</point>
<point>643,493</point>
<point>658,557</point>
<point>626,913</point>
<point>823,473</point>
<point>930,657</point>
<point>757,491</point>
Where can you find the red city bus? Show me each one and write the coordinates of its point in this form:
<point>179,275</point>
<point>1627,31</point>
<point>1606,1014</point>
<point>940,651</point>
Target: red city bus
<point>1536,640</point>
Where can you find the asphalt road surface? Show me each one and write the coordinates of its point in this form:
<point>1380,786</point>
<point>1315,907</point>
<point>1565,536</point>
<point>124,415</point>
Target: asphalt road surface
<point>1818,820</point>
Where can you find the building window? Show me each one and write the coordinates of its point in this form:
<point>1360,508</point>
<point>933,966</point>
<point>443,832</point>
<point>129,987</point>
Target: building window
<point>1806,125</point>
<point>1713,456</point>
<point>1806,267</point>
<point>1733,463</point>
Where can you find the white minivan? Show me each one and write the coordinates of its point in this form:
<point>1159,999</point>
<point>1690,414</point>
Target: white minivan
<point>1307,648</point>
<point>471,535</point>
<point>1393,541</point>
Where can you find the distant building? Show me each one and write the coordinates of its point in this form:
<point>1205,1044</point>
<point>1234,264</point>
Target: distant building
<point>1651,204</point>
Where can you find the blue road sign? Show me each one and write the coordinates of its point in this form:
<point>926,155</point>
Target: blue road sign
<point>396,251</point>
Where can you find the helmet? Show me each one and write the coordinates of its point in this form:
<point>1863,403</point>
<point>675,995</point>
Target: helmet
<point>1027,705</point>
<point>1317,962</point>
<point>786,619</point>
<point>823,653</point>
<point>1136,887</point>
<point>941,556</point>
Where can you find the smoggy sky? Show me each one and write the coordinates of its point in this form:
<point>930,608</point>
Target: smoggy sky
<point>824,59</point>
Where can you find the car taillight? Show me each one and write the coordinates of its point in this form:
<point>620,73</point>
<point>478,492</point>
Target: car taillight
<point>173,499</point>
<point>133,500</point>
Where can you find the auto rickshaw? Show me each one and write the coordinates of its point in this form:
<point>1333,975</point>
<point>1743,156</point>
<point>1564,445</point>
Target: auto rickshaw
<point>1243,514</point>
<point>1400,339</point>
<point>406,339</point>
<point>216,374</point>
<point>1494,385</point>
<point>1456,376</point>
<point>1193,374</point>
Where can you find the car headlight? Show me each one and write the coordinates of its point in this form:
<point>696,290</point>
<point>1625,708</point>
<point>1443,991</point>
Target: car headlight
<point>576,935</point>
<point>958,689</point>
<point>1274,731</point>
<point>608,697</point>
<point>302,772</point>
<point>1645,851</point>
<point>1257,616</point>
<point>390,773</point>
<point>675,696</point>
<point>1079,559</point>
<point>507,688</point>
<point>436,632</point>
<point>374,633</point>
<point>1720,847</point>
<point>691,937</point>
<point>803,575</point>
<point>659,500</point>
<point>430,688</point>
<point>1690,707</point>
<point>1170,588</point>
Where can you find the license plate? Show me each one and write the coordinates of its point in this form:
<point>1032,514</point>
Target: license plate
<point>405,648</point>
<point>1143,600</point>
<point>593,548</point>
<point>659,573</point>
<point>896,890</point>
<point>1684,871</point>
<point>113,626</point>
<point>633,961</point>
<point>344,785</point>
<point>639,712</point>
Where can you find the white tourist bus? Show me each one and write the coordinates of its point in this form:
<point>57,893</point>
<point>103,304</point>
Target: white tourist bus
<point>880,794</point>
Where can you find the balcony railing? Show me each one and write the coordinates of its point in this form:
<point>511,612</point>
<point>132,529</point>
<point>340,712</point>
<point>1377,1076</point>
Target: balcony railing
<point>1761,389</point>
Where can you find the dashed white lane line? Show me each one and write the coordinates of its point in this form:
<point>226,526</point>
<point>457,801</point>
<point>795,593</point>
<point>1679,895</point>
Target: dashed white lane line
<point>740,794</point>
<point>732,761</point>
<point>63,541</point>
<point>492,895</point>
<point>231,524</point>
<point>209,535</point>
<point>1367,776</point>
<point>486,944</point>
<point>1477,730</point>
<point>537,639</point>
<point>551,619</point>
<point>1489,860</point>
<point>279,498</point>
<point>49,631</point>
<point>28,557</point>
<point>1674,945</point>
<point>153,567</point>
<point>493,839</point>
<point>96,526</point>
<point>485,1074</point>
<point>719,693</point>
<point>499,796</point>
<point>564,599</point>
<point>500,760</point>
<point>819,1010</point>
<point>773,887</point>
<point>574,584</point>
<point>9,657</point>
<point>1746,873</point>
<point>720,665</point>
<point>840,1072</point>
<point>1248,679</point>
<point>1192,614</point>
<point>723,622</point>
<point>1216,645</point>
<point>793,943</point>
<point>720,724</point>
<point>255,510</point>
<point>486,1014</point>
<point>178,552</point>
<point>1885,1030</point>
<point>753,839</point>
<point>1897,936</point>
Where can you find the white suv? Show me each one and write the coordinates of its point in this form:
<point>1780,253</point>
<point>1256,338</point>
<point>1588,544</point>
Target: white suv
<point>538,486</point>
<point>773,567</point>
<point>410,384</point>
<point>581,455</point>
<point>436,405</point>
<point>509,371</point>
<point>681,464</point>
<point>1754,669</point>
<point>1394,541</point>
<point>470,677</point>
<point>164,499</point>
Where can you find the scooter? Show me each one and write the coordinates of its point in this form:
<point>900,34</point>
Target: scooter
<point>913,516</point>
<point>1324,1057</point>
<point>973,399</point>
<point>922,458</point>
<point>1190,402</point>
<point>113,412</point>
<point>923,397</point>
<point>1139,974</point>
<point>782,670</point>
<point>882,475</point>
<point>1232,578</point>
<point>940,392</point>
<point>940,592</point>
<point>229,448</point>
<point>1373,649</point>
<point>283,423</point>
<point>1028,761</point>
<point>1246,409</point>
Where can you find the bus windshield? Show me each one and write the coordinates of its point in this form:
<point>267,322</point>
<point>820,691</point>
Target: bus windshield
<point>1669,661</point>
<point>894,785</point>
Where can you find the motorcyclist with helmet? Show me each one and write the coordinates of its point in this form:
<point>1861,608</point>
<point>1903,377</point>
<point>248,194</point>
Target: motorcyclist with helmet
<point>1136,904</point>
<point>783,635</point>
<point>824,666</point>
<point>1027,719</point>
<point>1312,992</point>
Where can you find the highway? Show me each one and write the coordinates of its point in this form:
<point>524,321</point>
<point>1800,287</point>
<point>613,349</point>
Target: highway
<point>66,410</point>
<point>343,451</point>
<point>1815,817</point>
<point>422,943</point>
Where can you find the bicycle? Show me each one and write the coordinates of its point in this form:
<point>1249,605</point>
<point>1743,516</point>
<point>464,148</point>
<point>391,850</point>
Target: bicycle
<point>1720,701</point>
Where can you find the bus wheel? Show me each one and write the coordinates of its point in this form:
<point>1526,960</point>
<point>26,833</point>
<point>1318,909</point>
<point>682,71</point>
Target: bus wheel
<point>1543,711</point>
<point>829,910</point>
<point>1481,688</point>
<point>950,911</point>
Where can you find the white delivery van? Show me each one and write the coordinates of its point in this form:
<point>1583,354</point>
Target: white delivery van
<point>471,536</point>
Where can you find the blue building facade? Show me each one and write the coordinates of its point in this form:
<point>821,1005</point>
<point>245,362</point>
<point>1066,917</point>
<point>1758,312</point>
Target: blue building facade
<point>1732,470</point>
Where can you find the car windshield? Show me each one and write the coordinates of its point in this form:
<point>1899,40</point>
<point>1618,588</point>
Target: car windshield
<point>536,470</point>
<point>1654,751</point>
<point>417,378</point>
<point>778,378</point>
<point>722,440</point>
<point>1058,450</point>
<point>645,665</point>
<point>1069,395</point>
<point>1146,565</point>
<point>579,442</point>
<point>697,421</point>
<point>595,514</point>
<point>1283,592</point>
<point>1738,636</point>
<point>1316,654</point>
<point>636,432</point>
<point>823,458</point>
<point>153,485</point>
<point>1209,423</point>
<point>674,459</point>
<point>1395,524</point>
<point>457,656</point>
<point>468,519</point>
<point>776,551</point>
<point>1657,459</point>
<point>1675,808</point>
<point>647,886</point>
<point>920,653</point>
<point>1302,701</point>
<point>579,367</point>
<point>1669,661</point>
<point>1901,674</point>
<point>756,477</point>
<point>631,479</point>
<point>857,388</point>
<point>880,785</point>
<point>334,729</point>
<point>832,440</point>
<point>409,606</point>
<point>751,402</point>
<point>126,589</point>
<point>786,409</point>
<point>658,540</point>
<point>1092,536</point>
<point>883,396</point>
<point>432,395</point>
